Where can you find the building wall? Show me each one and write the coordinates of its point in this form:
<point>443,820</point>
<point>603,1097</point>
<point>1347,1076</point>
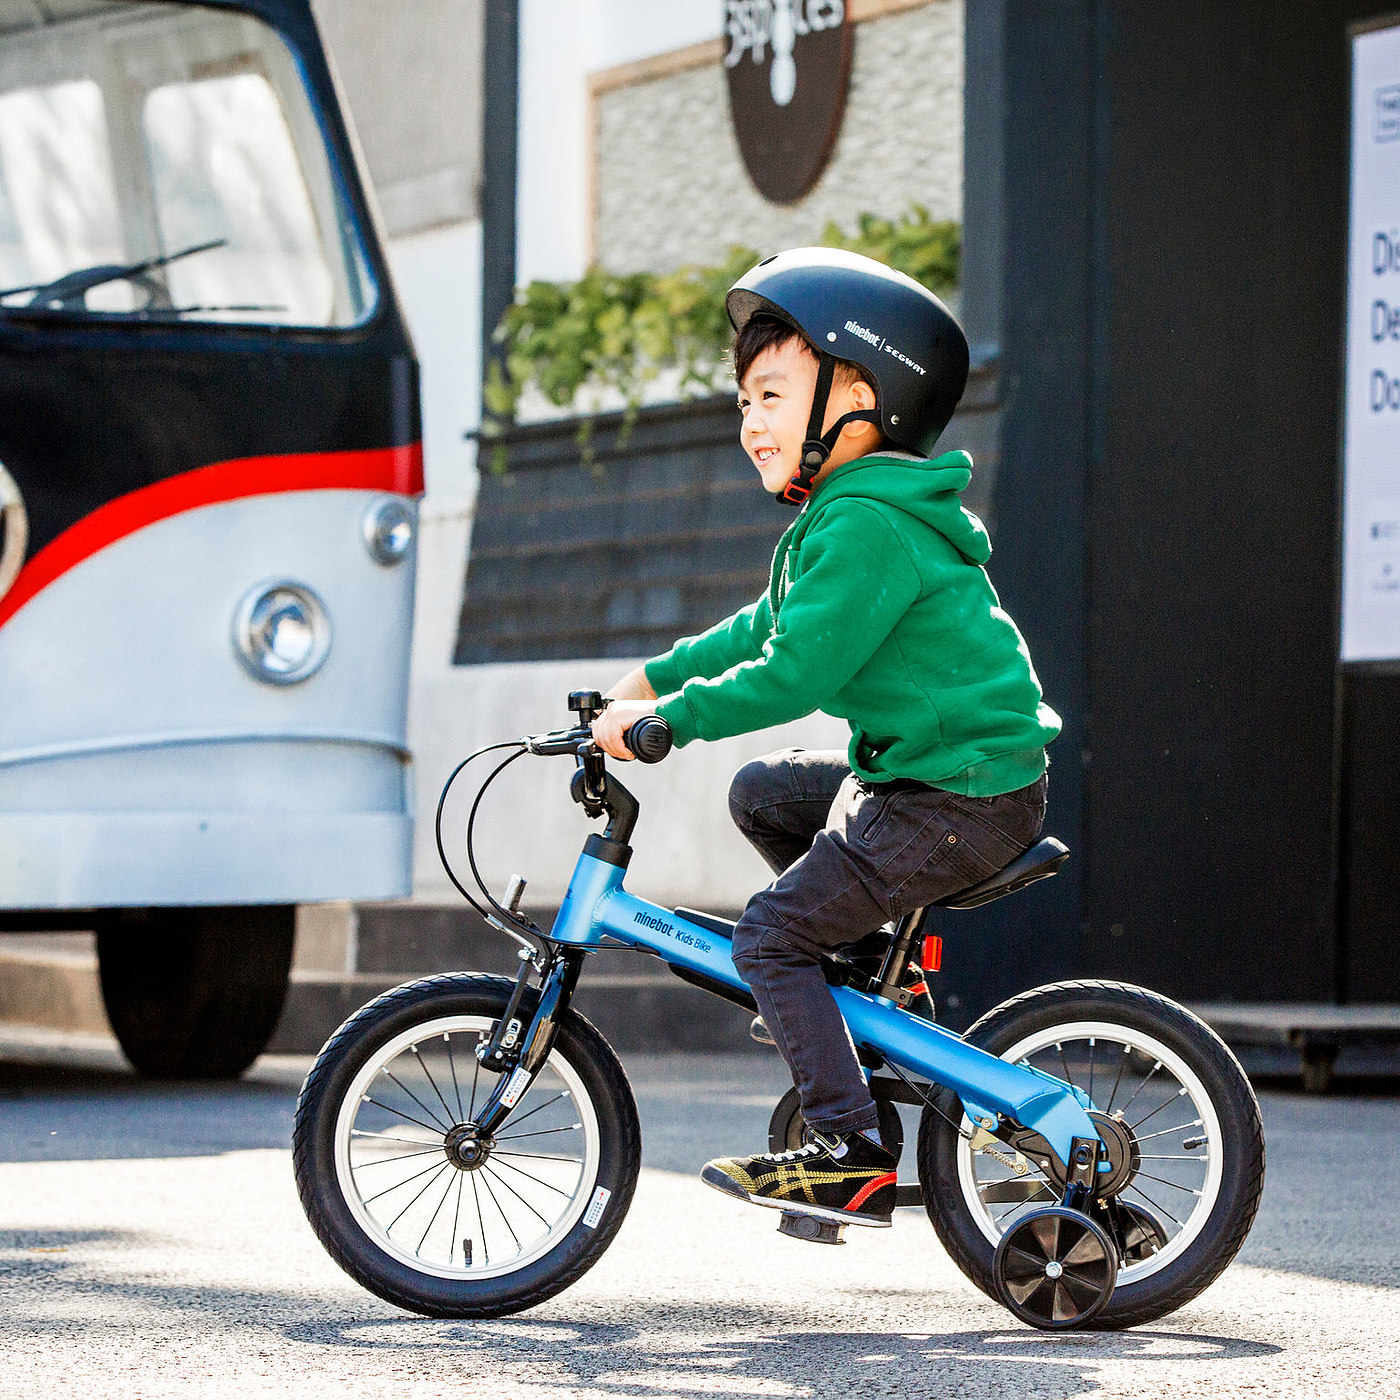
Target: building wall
<point>670,185</point>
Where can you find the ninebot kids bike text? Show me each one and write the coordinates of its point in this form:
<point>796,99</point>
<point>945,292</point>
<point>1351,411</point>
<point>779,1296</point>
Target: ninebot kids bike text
<point>1089,1153</point>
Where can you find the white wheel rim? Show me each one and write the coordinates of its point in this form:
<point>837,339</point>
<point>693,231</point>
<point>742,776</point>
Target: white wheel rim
<point>16,537</point>
<point>509,1222</point>
<point>1201,1187</point>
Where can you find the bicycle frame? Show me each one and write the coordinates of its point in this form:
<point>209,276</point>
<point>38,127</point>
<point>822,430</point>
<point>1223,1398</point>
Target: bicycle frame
<point>599,911</point>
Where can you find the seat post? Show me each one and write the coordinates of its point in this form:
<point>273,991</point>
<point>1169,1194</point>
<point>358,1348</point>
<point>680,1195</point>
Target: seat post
<point>896,963</point>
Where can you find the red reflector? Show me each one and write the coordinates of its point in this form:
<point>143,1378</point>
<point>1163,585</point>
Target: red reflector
<point>932,960</point>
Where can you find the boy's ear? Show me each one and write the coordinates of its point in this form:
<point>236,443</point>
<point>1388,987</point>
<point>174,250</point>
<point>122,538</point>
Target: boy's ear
<point>862,395</point>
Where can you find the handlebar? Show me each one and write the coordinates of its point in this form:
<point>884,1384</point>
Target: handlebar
<point>649,740</point>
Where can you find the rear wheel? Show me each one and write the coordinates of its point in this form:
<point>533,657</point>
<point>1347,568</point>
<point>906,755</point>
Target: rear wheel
<point>196,993</point>
<point>406,1198</point>
<point>1180,1121</point>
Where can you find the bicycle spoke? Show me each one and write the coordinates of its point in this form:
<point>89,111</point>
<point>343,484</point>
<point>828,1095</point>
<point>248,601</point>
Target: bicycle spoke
<point>432,1220</point>
<point>442,1127</point>
<point>476,1070</point>
<point>1159,1108</point>
<point>516,1122</point>
<point>567,1195</point>
<point>446,1107</point>
<point>1156,1065</point>
<point>1063,1063</point>
<point>1122,1065</point>
<point>487,1184</point>
<point>434,1128</point>
<point>446,1166</point>
<point>405,1156</point>
<point>539,1132</point>
<point>369,1200</point>
<point>1090,1090</point>
<point>386,1137</point>
<point>503,1182</point>
<point>572,1161</point>
<point>1154,1204</point>
<point>456,1088</point>
<point>1189,1190</point>
<point>456,1216</point>
<point>1194,1123</point>
<point>480,1220</point>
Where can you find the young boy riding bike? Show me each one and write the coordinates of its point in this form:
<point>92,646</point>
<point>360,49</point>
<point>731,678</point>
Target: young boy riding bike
<point>878,611</point>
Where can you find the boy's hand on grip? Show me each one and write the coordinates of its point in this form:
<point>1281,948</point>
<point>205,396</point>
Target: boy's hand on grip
<point>619,717</point>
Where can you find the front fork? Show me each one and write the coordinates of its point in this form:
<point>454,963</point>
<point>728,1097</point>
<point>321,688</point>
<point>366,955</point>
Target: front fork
<point>520,1042</point>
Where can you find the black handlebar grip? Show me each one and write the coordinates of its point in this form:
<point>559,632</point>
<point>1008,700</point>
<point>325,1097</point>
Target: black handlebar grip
<point>649,738</point>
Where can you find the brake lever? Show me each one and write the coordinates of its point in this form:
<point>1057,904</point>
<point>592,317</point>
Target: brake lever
<point>559,741</point>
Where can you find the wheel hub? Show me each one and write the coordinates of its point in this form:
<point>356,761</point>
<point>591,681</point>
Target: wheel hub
<point>466,1149</point>
<point>1122,1149</point>
<point>1119,1145</point>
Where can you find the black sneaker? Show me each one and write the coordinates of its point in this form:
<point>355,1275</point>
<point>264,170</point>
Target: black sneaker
<point>855,1188</point>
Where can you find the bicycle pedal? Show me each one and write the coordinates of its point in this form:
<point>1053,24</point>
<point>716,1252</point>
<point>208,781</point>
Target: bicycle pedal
<point>808,1227</point>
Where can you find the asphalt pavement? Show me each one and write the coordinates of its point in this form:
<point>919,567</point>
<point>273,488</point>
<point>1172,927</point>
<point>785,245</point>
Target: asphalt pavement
<point>152,1245</point>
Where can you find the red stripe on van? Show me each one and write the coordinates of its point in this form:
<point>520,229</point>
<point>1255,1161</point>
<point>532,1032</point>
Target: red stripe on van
<point>394,469</point>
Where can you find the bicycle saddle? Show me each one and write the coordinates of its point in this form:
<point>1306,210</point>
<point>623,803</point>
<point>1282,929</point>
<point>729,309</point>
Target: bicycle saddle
<point>1036,862</point>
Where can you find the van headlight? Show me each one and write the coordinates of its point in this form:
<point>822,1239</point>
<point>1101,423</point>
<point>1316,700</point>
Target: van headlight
<point>388,530</point>
<point>281,632</point>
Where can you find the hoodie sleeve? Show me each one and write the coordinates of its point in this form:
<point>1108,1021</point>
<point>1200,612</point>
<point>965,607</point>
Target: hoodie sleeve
<point>738,638</point>
<point>855,582</point>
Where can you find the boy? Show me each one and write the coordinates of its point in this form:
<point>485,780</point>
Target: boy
<point>878,611</point>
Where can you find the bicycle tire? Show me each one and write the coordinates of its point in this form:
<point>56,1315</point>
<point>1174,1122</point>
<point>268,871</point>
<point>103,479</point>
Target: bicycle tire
<point>1150,1019</point>
<point>580,1053</point>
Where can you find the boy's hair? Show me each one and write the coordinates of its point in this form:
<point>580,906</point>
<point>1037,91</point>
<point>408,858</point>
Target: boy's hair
<point>763,332</point>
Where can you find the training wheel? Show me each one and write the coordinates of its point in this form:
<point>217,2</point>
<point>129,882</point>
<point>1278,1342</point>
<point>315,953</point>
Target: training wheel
<point>1055,1268</point>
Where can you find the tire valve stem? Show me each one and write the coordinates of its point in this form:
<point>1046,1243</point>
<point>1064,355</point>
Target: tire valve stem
<point>1192,1143</point>
<point>466,1254</point>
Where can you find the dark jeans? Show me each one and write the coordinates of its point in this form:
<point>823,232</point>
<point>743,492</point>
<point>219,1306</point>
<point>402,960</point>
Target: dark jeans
<point>850,856</point>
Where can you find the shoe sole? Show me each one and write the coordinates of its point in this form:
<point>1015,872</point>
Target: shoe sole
<point>717,1179</point>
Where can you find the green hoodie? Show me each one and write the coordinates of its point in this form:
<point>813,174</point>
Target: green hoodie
<point>878,611</point>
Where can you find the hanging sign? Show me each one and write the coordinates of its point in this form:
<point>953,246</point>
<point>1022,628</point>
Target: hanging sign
<point>789,65</point>
<point>1371,421</point>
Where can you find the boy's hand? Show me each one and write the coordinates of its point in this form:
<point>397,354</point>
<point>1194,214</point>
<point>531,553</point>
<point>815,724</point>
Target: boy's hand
<point>619,716</point>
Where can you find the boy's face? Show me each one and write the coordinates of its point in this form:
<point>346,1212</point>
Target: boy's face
<point>775,400</point>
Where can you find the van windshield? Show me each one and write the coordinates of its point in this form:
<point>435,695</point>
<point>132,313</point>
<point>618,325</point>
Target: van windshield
<point>163,161</point>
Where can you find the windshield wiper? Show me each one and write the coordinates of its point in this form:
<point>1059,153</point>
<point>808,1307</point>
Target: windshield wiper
<point>66,293</point>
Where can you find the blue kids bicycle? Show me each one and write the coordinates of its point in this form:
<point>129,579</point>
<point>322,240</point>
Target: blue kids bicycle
<point>1089,1153</point>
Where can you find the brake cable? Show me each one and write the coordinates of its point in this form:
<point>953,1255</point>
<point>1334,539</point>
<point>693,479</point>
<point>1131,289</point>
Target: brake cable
<point>461,889</point>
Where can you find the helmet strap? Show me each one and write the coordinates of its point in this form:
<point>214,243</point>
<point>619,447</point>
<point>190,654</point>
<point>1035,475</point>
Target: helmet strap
<point>819,446</point>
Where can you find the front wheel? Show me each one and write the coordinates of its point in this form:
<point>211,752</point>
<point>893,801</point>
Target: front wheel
<point>402,1196</point>
<point>1176,1112</point>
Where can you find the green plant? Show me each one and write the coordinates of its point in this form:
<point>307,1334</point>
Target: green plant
<point>610,331</point>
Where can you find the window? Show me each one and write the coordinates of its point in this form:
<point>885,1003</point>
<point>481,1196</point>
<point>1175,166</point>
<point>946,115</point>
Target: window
<point>163,162</point>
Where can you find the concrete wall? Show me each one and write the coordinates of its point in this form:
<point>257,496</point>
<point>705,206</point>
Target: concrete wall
<point>671,186</point>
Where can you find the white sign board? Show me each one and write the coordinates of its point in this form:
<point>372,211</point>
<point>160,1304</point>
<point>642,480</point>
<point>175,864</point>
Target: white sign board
<point>1371,423</point>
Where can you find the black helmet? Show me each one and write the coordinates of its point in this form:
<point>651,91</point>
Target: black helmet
<point>854,308</point>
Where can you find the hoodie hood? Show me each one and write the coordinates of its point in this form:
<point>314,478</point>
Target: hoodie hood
<point>929,489</point>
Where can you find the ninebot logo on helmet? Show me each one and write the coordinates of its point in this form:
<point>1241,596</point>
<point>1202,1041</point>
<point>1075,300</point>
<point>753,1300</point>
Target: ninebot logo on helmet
<point>788,63</point>
<point>880,343</point>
